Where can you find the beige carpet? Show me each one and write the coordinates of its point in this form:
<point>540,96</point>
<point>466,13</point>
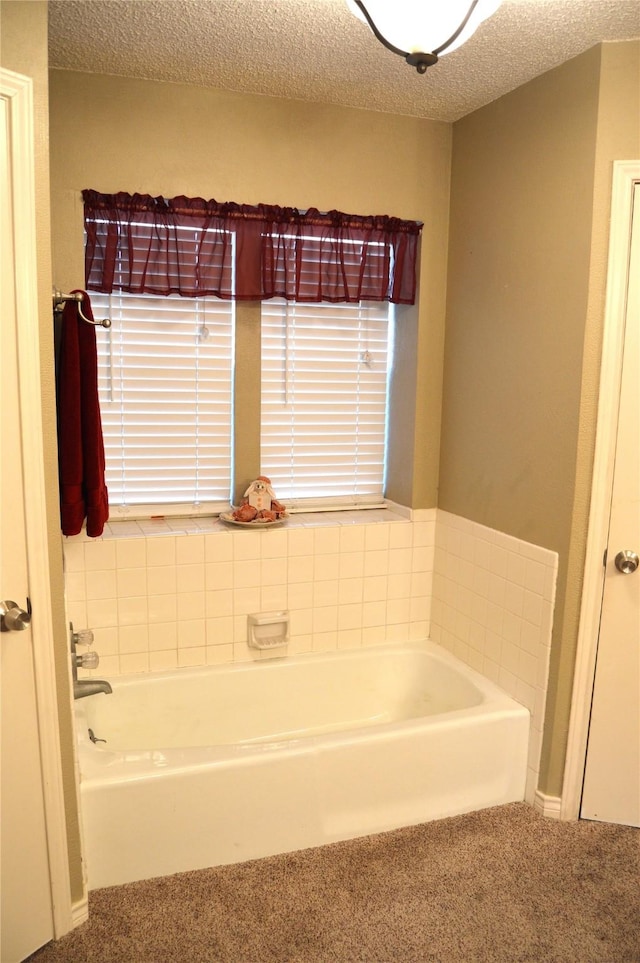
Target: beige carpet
<point>499,885</point>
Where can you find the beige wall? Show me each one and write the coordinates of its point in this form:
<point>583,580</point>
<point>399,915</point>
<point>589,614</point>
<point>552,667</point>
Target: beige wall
<point>113,134</point>
<point>528,236</point>
<point>617,138</point>
<point>24,50</point>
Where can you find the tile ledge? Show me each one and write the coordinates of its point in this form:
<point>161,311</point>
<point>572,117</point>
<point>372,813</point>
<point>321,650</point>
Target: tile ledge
<point>210,525</point>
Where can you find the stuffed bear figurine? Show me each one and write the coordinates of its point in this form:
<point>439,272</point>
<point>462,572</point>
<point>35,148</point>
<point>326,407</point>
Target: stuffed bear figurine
<point>259,503</point>
<point>260,494</point>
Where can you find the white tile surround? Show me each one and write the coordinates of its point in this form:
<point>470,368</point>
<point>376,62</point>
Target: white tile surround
<point>162,594</point>
<point>492,607</point>
<point>172,593</point>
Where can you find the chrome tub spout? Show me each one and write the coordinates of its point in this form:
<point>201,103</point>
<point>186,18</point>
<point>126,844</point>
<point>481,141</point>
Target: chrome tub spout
<point>87,687</point>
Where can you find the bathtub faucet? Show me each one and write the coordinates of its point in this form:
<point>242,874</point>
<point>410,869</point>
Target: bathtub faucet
<point>87,687</point>
<point>87,660</point>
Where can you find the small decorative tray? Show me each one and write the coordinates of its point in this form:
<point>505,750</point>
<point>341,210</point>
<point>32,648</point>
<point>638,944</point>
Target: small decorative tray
<point>257,523</point>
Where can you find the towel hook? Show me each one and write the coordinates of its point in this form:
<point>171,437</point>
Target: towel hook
<point>59,300</point>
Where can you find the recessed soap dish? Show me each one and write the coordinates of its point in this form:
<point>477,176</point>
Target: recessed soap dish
<point>267,630</point>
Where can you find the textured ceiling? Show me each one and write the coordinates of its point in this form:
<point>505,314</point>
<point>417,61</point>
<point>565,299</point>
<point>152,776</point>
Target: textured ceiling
<point>316,50</point>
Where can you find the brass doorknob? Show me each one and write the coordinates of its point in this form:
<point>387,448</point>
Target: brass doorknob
<point>627,562</point>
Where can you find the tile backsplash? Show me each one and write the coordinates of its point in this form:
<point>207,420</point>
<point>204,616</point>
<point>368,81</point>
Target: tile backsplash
<point>165,594</point>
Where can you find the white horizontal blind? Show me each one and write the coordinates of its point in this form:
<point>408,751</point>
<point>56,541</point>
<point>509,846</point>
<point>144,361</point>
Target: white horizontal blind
<point>165,371</point>
<point>325,371</point>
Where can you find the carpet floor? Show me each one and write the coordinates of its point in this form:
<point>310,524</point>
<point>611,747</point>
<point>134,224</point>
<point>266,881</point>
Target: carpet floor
<point>503,885</point>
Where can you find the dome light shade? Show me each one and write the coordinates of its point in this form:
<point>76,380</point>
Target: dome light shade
<point>421,31</point>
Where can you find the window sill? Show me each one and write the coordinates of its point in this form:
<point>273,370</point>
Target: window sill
<point>211,525</point>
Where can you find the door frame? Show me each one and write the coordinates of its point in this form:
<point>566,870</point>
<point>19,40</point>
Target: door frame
<point>626,174</point>
<point>17,91</point>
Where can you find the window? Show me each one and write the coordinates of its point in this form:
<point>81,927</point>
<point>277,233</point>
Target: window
<point>168,273</point>
<point>165,375</point>
<point>165,370</point>
<point>325,371</point>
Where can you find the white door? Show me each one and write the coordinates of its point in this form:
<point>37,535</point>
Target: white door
<point>27,858</point>
<point>611,790</point>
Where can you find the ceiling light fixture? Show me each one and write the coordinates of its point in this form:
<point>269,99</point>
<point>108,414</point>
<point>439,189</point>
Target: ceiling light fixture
<point>420,31</point>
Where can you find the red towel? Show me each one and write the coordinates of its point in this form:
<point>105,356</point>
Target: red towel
<point>80,445</point>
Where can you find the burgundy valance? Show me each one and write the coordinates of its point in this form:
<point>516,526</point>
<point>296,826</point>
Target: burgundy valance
<point>189,246</point>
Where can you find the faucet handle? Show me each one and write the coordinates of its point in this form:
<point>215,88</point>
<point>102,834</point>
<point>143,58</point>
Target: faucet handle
<point>83,637</point>
<point>88,660</point>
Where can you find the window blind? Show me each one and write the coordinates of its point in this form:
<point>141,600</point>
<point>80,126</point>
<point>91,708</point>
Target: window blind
<point>325,372</point>
<point>165,370</point>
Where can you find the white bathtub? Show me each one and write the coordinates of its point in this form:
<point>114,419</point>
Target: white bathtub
<point>217,765</point>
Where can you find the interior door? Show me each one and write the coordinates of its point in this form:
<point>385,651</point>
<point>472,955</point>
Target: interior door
<point>26,913</point>
<point>611,791</point>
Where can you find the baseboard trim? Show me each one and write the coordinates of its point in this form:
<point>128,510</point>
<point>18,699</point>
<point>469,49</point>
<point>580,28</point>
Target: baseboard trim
<point>548,806</point>
<point>80,912</point>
